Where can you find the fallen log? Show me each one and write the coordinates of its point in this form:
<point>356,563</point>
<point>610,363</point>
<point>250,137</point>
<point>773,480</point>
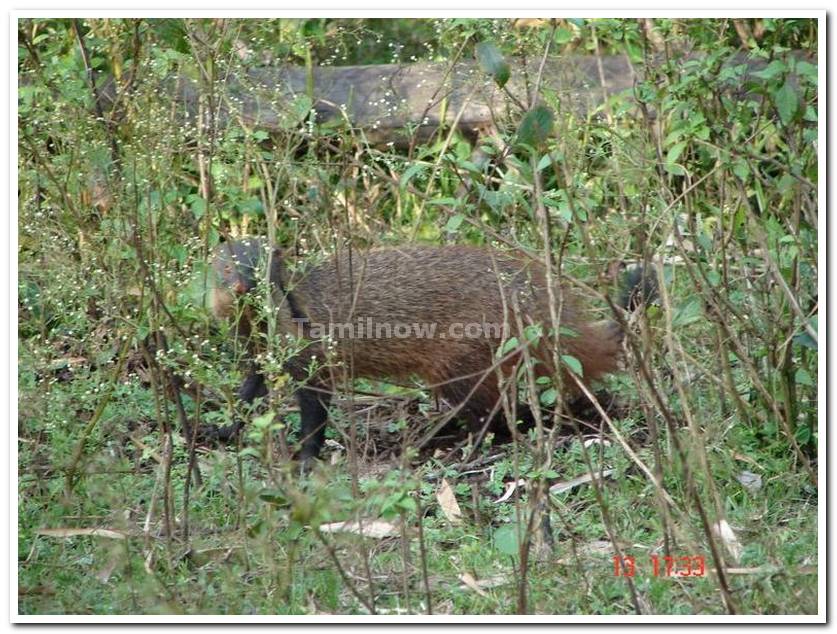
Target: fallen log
<point>396,102</point>
<point>406,103</point>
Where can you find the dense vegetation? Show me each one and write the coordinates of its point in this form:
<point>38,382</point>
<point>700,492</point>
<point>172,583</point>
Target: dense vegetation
<point>707,170</point>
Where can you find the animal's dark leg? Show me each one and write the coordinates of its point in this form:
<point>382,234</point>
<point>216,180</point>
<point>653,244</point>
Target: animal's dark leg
<point>313,407</point>
<point>252,387</point>
<point>480,405</point>
<point>526,418</point>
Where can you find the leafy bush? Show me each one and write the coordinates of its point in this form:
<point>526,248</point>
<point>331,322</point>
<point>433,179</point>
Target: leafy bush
<point>706,171</point>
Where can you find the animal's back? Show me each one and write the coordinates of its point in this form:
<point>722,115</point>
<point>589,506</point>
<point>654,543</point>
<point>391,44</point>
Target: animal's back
<point>437,312</point>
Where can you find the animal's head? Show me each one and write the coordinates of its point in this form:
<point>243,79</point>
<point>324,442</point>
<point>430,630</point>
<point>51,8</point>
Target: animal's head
<point>237,266</point>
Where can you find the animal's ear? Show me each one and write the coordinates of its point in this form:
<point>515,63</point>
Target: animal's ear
<point>276,254</point>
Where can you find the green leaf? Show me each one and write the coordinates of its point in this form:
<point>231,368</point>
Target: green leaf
<point>787,102</point>
<point>803,377</point>
<point>549,396</point>
<point>469,166</point>
<point>687,313</point>
<point>252,452</point>
<point>806,340</point>
<point>532,333</point>
<point>558,200</point>
<point>263,421</point>
<point>809,71</point>
<point>179,253</point>
<point>491,61</point>
<point>274,497</point>
<point>142,332</point>
<point>760,198</point>
<point>563,35</point>
<point>675,151</point>
<point>573,364</point>
<point>510,345</point>
<point>296,112</point>
<point>454,222</point>
<point>172,32</point>
<point>198,207</point>
<point>673,136</point>
<point>443,201</point>
<point>776,67</point>
<point>408,504</point>
<point>741,169</point>
<point>785,183</point>
<point>546,161</point>
<point>250,207</point>
<point>802,434</point>
<point>409,173</point>
<point>506,540</point>
<point>536,126</point>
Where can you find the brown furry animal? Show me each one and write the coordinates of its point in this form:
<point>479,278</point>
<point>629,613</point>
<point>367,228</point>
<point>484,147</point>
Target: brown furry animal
<point>436,312</point>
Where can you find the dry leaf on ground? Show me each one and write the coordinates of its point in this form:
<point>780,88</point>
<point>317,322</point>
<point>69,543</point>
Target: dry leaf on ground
<point>596,547</point>
<point>377,529</point>
<point>511,487</point>
<point>481,585</point>
<point>74,532</point>
<point>596,440</point>
<point>472,583</point>
<point>447,500</point>
<point>561,487</point>
<point>749,480</point>
<point>724,532</point>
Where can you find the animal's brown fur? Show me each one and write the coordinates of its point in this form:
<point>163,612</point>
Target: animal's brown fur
<point>445,286</point>
<point>449,287</point>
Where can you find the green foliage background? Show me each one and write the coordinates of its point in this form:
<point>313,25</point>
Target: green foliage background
<point>707,167</point>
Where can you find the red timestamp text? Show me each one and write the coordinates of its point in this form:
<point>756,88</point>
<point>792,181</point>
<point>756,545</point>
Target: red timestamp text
<point>660,566</point>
